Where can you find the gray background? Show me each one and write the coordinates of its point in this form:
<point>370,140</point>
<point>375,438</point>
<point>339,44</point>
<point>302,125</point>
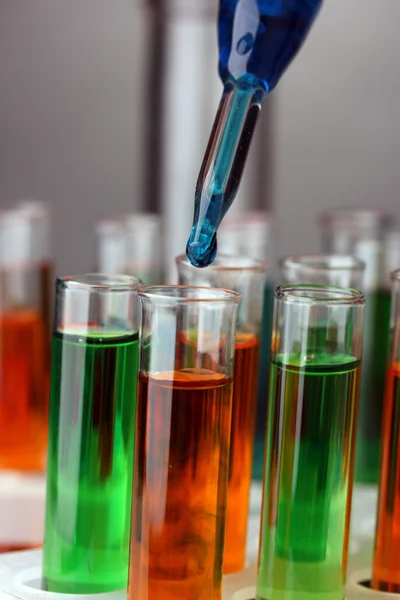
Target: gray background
<point>71,126</point>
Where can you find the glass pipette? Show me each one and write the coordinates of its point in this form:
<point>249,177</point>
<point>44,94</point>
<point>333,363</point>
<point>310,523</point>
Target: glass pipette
<point>257,41</point>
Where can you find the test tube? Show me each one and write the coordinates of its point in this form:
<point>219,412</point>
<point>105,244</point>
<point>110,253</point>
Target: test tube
<point>182,442</point>
<point>38,212</point>
<point>338,270</point>
<point>386,563</point>
<point>94,370</point>
<point>311,433</point>
<point>131,244</point>
<point>362,233</point>
<point>23,357</point>
<point>246,276</point>
<point>250,234</point>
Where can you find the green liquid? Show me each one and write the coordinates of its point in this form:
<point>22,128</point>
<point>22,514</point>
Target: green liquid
<point>376,339</point>
<point>308,478</point>
<point>90,466</point>
<point>263,378</point>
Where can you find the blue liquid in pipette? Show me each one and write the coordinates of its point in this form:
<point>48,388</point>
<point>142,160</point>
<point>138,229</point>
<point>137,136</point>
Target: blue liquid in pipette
<point>257,41</point>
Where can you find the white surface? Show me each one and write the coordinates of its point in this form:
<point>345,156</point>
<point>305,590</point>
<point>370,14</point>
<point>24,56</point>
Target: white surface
<point>22,500</point>
<point>21,521</point>
<point>336,121</point>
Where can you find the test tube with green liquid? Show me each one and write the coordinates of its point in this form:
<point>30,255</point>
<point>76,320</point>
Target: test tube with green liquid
<point>91,434</point>
<point>363,233</point>
<point>311,430</point>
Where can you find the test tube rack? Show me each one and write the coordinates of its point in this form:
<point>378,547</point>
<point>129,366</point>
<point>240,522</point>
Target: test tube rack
<point>20,577</point>
<point>22,498</point>
<point>22,503</point>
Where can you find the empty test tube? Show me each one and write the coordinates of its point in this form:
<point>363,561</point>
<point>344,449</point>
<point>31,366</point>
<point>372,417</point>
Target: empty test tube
<point>131,244</point>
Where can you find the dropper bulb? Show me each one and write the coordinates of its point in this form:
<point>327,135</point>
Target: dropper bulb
<point>202,253</point>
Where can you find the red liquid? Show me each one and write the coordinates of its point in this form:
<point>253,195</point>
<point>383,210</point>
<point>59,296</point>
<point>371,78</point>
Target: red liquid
<point>181,483</point>
<point>23,391</point>
<point>241,451</point>
<point>386,565</point>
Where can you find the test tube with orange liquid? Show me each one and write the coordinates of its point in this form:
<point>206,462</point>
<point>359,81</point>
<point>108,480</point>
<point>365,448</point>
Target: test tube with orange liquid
<point>183,422</point>
<point>247,276</point>
<point>386,563</point>
<point>23,345</point>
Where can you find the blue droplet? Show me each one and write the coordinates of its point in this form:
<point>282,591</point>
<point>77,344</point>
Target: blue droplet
<point>245,44</point>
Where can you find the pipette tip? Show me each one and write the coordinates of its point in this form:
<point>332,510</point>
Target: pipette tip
<point>202,254</point>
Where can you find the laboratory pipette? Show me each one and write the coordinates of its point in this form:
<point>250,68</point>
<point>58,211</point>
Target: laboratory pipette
<point>257,41</point>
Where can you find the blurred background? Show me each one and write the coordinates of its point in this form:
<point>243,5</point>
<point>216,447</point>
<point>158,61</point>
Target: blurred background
<point>105,112</point>
<point>106,107</point>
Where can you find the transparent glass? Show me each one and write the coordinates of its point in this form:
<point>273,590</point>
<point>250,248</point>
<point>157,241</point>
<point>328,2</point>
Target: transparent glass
<point>131,244</point>
<point>39,216</point>
<point>94,368</point>
<point>324,269</point>
<point>363,233</point>
<point>246,276</point>
<point>24,372</point>
<point>250,234</point>
<point>182,442</point>
<point>311,432</point>
<point>386,564</point>
<point>247,234</point>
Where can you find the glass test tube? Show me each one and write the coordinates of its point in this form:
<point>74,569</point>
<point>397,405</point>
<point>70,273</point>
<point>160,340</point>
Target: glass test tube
<point>386,563</point>
<point>249,234</point>
<point>311,433</point>
<point>338,270</point>
<point>246,276</point>
<point>362,233</point>
<point>182,443</point>
<point>23,356</point>
<point>39,215</point>
<point>94,370</point>
<point>131,244</point>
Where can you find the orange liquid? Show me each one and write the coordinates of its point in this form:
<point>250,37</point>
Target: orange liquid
<point>23,391</point>
<point>241,450</point>
<point>46,308</point>
<point>386,565</point>
<point>180,485</point>
<point>17,548</point>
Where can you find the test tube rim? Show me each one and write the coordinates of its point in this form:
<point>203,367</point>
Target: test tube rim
<point>296,260</point>
<point>338,296</point>
<point>362,219</point>
<point>99,282</point>
<point>220,295</point>
<point>256,266</point>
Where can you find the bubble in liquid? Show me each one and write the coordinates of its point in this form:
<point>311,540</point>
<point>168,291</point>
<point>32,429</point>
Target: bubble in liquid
<point>245,44</point>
